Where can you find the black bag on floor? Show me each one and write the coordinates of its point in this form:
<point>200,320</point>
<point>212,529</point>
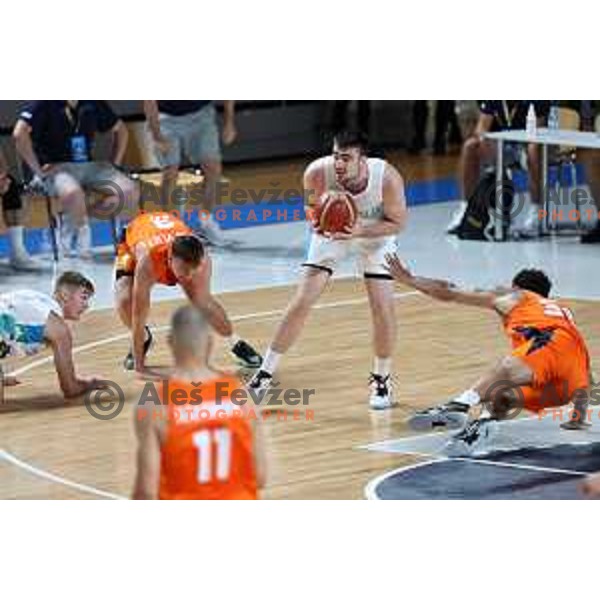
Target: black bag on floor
<point>475,224</point>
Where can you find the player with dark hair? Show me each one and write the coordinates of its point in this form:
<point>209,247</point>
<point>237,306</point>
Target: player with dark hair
<point>549,364</point>
<point>378,192</point>
<point>158,248</point>
<point>30,321</point>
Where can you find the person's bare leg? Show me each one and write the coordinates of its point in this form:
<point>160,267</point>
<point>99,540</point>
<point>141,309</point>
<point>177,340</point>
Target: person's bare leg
<point>380,293</point>
<point>309,290</point>
<point>509,372</point>
<point>123,299</point>
<point>469,166</point>
<point>167,186</point>
<point>381,301</point>
<point>507,375</point>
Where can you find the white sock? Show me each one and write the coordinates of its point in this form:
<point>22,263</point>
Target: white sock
<point>485,413</point>
<point>17,244</point>
<point>469,398</point>
<point>84,238</point>
<point>382,366</point>
<point>271,361</point>
<point>232,340</point>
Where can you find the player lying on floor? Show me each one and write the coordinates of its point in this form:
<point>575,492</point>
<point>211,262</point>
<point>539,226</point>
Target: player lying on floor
<point>547,367</point>
<point>30,321</point>
<point>197,447</point>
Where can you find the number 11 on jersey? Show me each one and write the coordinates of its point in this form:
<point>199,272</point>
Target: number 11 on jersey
<point>206,442</point>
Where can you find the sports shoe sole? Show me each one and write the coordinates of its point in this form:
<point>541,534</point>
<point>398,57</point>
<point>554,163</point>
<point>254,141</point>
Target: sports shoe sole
<point>424,422</point>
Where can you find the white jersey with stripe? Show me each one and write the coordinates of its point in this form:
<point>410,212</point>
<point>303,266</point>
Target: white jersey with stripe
<point>370,202</point>
<point>23,318</point>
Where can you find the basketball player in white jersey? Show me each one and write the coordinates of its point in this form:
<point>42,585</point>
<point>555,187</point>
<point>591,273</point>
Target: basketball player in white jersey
<point>378,191</point>
<point>30,321</point>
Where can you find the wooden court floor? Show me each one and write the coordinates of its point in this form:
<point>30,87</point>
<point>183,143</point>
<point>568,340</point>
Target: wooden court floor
<point>49,450</point>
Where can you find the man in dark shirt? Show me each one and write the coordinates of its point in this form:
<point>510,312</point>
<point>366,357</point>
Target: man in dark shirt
<point>186,131</point>
<point>55,139</point>
<point>501,115</point>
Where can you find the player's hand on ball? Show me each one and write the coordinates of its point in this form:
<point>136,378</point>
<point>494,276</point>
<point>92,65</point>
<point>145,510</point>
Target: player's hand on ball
<point>348,233</point>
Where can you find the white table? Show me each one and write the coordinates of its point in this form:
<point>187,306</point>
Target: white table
<point>544,138</point>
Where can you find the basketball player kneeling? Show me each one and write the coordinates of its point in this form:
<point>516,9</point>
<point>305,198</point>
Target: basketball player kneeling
<point>548,366</point>
<point>378,193</point>
<point>30,321</point>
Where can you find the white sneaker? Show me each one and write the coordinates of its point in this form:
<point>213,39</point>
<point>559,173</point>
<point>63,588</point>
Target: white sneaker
<point>66,233</point>
<point>381,396</point>
<point>84,242</point>
<point>211,231</point>
<point>475,438</point>
<point>530,225</point>
<point>456,218</point>
<point>23,262</point>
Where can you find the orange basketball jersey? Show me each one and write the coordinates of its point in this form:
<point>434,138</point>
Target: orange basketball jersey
<point>536,312</point>
<point>207,451</point>
<point>155,232</point>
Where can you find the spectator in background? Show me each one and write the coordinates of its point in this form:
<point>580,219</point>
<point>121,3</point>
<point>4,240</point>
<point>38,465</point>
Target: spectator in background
<point>186,130</point>
<point>344,115</point>
<point>501,115</point>
<point>55,139</point>
<point>12,209</point>
<point>590,111</point>
<point>447,129</point>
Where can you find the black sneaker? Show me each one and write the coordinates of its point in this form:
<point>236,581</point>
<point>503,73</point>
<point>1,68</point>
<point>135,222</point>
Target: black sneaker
<point>381,396</point>
<point>261,380</point>
<point>452,415</point>
<point>129,362</point>
<point>592,236</point>
<point>475,438</point>
<point>247,356</point>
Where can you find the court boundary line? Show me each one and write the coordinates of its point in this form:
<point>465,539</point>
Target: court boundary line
<point>43,474</point>
<point>260,316</point>
<point>370,489</point>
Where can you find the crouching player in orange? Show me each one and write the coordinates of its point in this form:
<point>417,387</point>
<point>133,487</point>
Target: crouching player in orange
<point>197,444</point>
<point>549,364</point>
<point>158,248</point>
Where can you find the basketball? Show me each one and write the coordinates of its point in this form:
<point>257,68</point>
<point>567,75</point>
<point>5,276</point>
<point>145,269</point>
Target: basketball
<point>335,212</point>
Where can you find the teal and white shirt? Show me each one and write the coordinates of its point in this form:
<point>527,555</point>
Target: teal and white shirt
<point>23,317</point>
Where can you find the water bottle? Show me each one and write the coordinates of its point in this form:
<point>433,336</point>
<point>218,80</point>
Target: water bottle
<point>553,124</point>
<point>531,125</point>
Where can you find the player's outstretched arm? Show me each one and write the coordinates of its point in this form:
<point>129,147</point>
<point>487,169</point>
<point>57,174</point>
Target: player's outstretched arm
<point>199,294</point>
<point>147,476</point>
<point>59,336</point>
<point>439,288</point>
